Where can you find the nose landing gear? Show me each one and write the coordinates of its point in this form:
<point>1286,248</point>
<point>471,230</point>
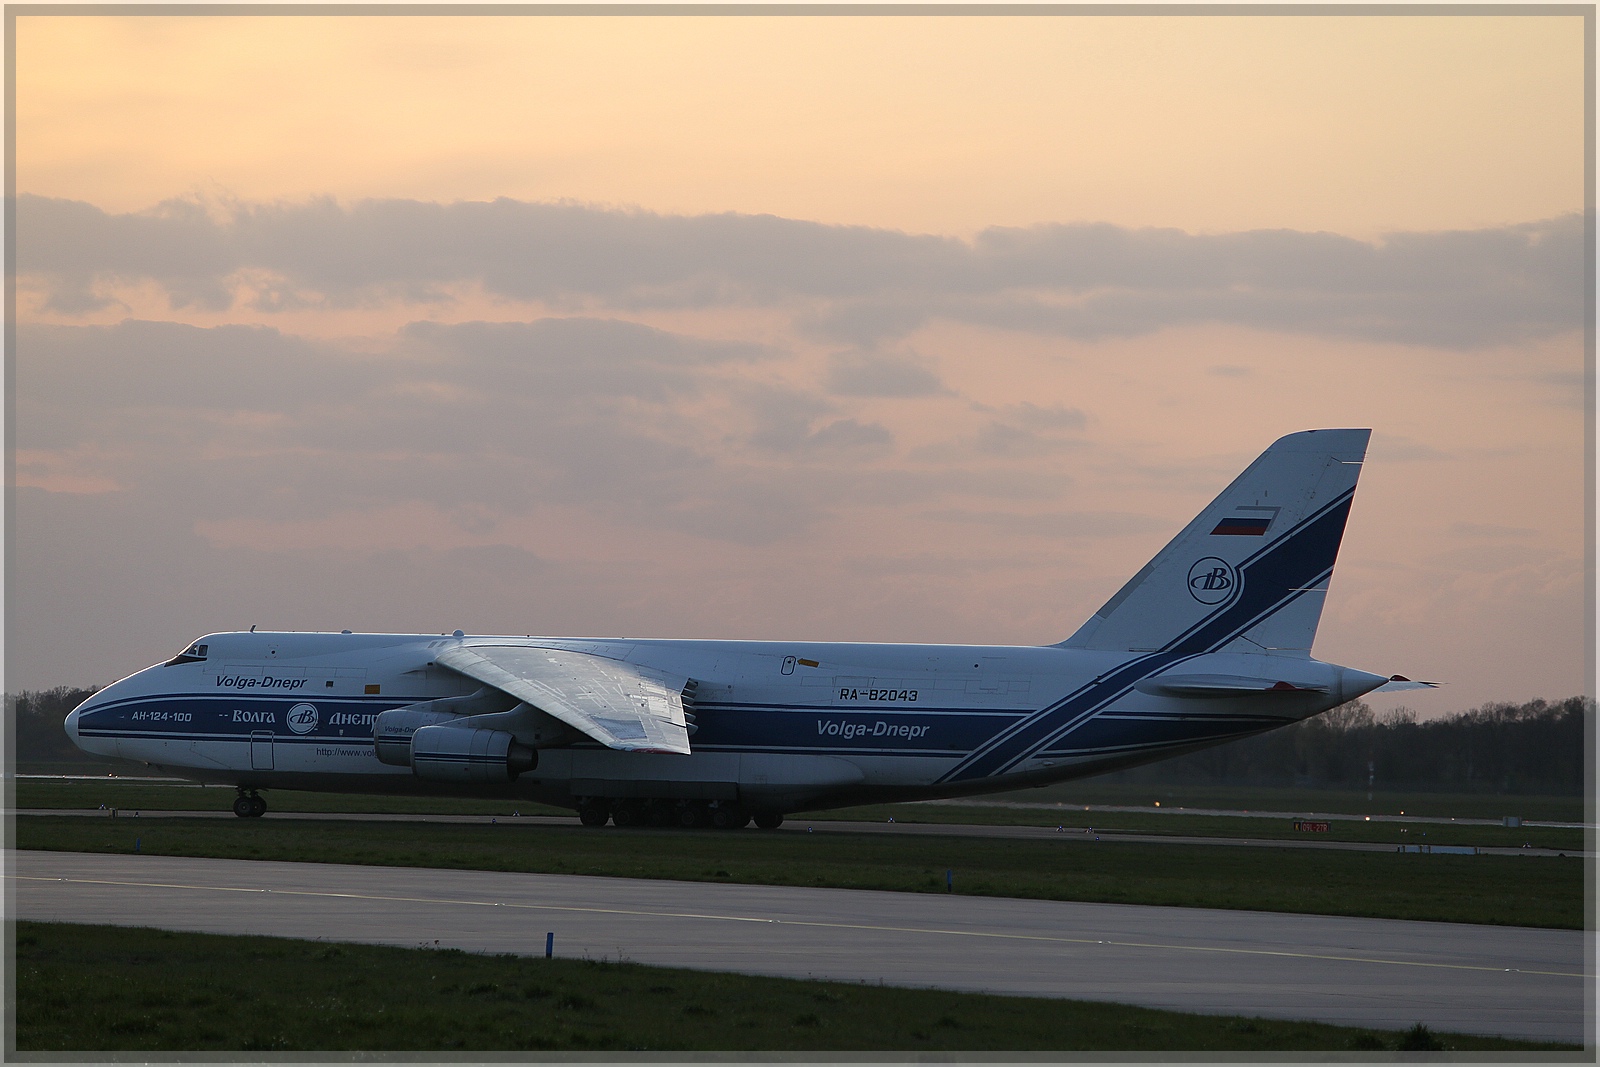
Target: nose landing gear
<point>248,804</point>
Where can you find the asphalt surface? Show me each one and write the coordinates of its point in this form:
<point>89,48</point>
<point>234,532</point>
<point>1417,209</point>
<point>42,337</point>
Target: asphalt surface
<point>1512,981</point>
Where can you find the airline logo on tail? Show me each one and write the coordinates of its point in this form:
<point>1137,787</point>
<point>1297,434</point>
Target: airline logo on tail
<point>1211,580</point>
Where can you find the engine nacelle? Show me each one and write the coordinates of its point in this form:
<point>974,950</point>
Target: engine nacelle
<point>462,754</point>
<point>392,731</point>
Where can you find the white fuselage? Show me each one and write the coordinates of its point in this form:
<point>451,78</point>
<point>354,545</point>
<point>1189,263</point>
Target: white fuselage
<point>777,724</point>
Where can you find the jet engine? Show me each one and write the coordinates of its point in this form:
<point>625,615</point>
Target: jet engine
<point>392,731</point>
<point>452,753</point>
<point>488,737</point>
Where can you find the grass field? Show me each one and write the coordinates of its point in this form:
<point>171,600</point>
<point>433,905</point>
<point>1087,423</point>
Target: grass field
<point>1349,802</point>
<point>126,793</point>
<point>1176,823</point>
<point>1512,890</point>
<point>133,793</point>
<point>100,988</point>
<point>1106,790</point>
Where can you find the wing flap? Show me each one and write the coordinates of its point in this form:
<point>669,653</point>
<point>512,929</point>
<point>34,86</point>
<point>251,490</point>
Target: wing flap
<point>622,706</point>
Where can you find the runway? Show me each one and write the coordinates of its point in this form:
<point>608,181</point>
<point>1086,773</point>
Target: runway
<point>1512,981</point>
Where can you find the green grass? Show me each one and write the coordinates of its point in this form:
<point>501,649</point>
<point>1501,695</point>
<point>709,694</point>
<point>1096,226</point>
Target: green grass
<point>1177,824</point>
<point>78,766</point>
<point>133,794</point>
<point>1295,799</point>
<point>1511,890</point>
<point>104,988</point>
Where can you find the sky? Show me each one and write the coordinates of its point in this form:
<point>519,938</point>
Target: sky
<point>830,327</point>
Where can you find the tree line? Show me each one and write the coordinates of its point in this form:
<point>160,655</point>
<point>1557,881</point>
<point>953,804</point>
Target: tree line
<point>37,716</point>
<point>1537,747</point>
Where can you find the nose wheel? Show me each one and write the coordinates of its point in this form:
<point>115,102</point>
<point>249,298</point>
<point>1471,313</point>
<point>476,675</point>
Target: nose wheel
<point>249,805</point>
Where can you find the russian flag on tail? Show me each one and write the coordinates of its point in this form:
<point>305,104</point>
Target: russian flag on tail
<point>1246,521</point>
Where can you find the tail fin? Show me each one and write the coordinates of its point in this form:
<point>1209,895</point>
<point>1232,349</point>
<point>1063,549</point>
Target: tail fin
<point>1251,571</point>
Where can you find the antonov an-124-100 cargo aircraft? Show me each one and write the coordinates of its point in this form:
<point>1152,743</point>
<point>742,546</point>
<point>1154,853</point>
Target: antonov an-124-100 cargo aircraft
<point>1210,641</point>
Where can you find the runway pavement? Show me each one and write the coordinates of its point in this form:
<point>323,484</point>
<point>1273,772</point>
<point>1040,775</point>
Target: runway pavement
<point>1512,981</point>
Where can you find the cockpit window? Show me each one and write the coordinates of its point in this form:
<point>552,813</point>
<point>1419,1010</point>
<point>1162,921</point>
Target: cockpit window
<point>195,653</point>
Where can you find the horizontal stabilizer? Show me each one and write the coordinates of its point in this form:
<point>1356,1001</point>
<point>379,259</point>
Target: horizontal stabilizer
<point>1220,685</point>
<point>1398,684</point>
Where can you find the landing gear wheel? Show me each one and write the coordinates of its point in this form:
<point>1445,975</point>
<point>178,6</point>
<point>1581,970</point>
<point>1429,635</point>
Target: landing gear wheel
<point>659,813</point>
<point>629,813</point>
<point>769,820</point>
<point>243,808</point>
<point>258,807</point>
<point>594,814</point>
<point>692,816</point>
<point>729,817</point>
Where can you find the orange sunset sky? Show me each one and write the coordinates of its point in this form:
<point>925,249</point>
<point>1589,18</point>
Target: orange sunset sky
<point>895,328</point>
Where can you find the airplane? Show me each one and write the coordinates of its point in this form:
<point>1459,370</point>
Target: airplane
<point>1209,642</point>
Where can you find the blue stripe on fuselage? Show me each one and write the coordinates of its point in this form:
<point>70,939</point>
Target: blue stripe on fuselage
<point>952,731</point>
<point>229,716</point>
<point>1106,732</point>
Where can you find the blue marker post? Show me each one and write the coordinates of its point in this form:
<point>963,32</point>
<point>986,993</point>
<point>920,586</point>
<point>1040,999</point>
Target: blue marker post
<point>137,842</point>
<point>549,944</point>
<point>949,881</point>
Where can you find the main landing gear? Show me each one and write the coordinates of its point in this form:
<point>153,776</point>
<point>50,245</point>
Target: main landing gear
<point>689,814</point>
<point>248,804</point>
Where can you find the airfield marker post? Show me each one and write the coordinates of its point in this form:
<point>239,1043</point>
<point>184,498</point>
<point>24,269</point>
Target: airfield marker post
<point>550,945</point>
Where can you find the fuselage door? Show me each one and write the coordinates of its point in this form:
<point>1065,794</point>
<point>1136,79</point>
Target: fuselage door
<point>261,750</point>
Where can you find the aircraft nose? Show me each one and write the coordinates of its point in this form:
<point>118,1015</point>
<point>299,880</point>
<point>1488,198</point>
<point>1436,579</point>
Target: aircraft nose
<point>70,724</point>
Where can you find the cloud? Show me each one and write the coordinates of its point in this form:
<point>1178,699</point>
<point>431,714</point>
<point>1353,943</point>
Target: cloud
<point>454,434</point>
<point>786,421</point>
<point>868,374</point>
<point>1013,432</point>
<point>248,421</point>
<point>1056,417</point>
<point>1456,289</point>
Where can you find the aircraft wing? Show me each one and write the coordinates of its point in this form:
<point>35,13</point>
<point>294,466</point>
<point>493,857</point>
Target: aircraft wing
<point>619,705</point>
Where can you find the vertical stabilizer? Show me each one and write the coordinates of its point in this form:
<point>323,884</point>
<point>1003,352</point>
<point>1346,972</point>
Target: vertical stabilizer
<point>1253,567</point>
